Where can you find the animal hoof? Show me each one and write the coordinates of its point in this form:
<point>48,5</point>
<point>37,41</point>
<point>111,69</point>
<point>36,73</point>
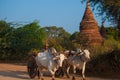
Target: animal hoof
<point>53,79</point>
<point>42,79</point>
<point>83,79</point>
<point>73,78</point>
<point>68,77</point>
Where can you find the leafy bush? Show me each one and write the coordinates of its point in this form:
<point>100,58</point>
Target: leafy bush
<point>108,46</point>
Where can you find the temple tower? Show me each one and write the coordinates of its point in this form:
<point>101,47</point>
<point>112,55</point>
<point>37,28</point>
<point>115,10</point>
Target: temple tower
<point>103,31</point>
<point>89,32</point>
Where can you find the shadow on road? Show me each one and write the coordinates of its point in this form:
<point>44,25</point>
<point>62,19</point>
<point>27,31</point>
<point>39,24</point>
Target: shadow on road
<point>14,74</point>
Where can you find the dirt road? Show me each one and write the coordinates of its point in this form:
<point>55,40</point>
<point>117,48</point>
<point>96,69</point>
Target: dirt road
<point>19,72</point>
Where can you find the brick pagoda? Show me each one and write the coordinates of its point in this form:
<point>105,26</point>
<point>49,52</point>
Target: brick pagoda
<point>89,32</point>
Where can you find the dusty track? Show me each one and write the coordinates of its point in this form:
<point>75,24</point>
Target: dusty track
<point>19,72</point>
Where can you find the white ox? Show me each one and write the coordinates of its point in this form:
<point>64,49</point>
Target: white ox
<point>77,61</point>
<point>50,62</point>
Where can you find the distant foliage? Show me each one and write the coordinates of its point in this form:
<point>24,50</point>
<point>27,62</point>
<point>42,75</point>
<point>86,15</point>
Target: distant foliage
<point>57,37</point>
<point>112,33</point>
<point>107,47</point>
<point>5,31</point>
<point>17,42</point>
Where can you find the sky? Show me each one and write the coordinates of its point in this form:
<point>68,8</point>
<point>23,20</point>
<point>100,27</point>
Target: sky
<point>61,13</point>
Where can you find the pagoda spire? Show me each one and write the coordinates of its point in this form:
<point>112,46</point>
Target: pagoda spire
<point>89,32</point>
<point>88,17</point>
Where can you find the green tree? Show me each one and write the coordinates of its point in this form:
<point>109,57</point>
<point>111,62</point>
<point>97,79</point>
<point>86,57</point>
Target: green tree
<point>57,37</point>
<point>25,38</point>
<point>5,30</point>
<point>111,33</point>
<point>75,36</point>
